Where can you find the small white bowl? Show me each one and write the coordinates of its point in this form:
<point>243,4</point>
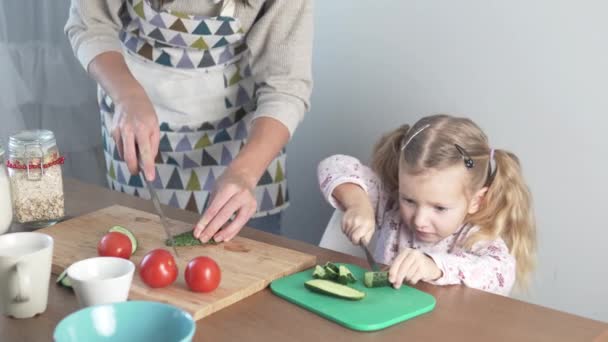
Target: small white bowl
<point>101,280</point>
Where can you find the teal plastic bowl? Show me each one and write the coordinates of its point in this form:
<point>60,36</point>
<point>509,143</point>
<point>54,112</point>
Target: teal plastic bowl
<point>127,321</point>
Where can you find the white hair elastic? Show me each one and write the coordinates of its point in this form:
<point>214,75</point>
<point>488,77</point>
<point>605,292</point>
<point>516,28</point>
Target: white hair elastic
<point>414,135</point>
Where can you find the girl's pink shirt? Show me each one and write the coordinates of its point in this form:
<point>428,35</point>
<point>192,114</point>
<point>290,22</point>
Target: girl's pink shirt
<point>488,266</point>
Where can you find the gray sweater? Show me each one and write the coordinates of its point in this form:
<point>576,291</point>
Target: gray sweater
<point>280,43</point>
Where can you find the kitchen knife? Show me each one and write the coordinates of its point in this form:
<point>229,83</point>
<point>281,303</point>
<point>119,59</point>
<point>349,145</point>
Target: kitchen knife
<point>370,259</point>
<point>159,211</point>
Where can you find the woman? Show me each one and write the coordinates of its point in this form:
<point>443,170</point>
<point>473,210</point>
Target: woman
<point>205,95</point>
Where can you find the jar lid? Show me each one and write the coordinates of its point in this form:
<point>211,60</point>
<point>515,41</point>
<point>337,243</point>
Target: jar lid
<point>30,139</point>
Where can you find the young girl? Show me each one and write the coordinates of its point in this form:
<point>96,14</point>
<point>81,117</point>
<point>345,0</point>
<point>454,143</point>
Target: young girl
<point>449,209</point>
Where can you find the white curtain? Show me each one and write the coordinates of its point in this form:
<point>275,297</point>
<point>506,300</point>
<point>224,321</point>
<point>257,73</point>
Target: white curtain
<point>43,86</point>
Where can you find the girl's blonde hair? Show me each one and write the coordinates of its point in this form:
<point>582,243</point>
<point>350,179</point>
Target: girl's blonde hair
<point>506,208</point>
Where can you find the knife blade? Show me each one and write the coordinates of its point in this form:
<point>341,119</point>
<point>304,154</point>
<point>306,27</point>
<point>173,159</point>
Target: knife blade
<point>370,259</point>
<point>159,211</point>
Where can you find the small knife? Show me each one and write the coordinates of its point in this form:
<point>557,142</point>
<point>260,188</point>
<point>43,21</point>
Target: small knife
<point>159,211</point>
<point>370,259</point>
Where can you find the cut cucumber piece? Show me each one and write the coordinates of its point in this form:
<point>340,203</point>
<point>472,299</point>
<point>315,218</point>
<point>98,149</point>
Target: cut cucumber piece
<point>345,276</point>
<point>332,266</point>
<point>187,239</point>
<point>376,279</point>
<point>64,280</point>
<point>330,274</point>
<point>331,271</point>
<point>128,233</point>
<point>319,272</point>
<point>333,289</point>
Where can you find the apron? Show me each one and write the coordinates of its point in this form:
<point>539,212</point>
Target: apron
<point>195,70</point>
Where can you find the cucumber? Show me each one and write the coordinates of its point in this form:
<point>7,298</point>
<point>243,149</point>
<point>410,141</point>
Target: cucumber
<point>345,276</point>
<point>64,280</point>
<point>187,239</point>
<point>337,290</point>
<point>128,233</point>
<point>319,272</point>
<point>376,279</point>
<point>330,273</point>
<point>332,266</point>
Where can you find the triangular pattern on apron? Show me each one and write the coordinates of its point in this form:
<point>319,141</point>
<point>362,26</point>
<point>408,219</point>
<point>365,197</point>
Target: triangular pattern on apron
<point>189,41</point>
<point>191,156</point>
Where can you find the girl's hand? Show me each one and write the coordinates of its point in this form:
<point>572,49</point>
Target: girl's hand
<point>411,265</point>
<point>135,127</point>
<point>233,194</point>
<point>359,223</point>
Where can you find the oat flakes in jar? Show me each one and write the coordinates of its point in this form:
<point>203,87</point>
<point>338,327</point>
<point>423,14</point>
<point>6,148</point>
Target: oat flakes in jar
<point>34,168</point>
<point>6,204</point>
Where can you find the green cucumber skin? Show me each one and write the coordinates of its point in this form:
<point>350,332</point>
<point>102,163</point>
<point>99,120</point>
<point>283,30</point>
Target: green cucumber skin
<point>64,280</point>
<point>340,274</point>
<point>345,276</point>
<point>314,288</point>
<point>187,239</point>
<point>376,279</point>
<point>129,234</point>
<point>319,272</point>
<point>332,266</point>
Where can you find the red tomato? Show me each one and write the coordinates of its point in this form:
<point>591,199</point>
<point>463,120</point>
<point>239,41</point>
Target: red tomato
<point>203,274</point>
<point>158,268</point>
<point>115,244</point>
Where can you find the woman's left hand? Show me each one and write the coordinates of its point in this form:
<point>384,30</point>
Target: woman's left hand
<point>411,265</point>
<point>233,194</point>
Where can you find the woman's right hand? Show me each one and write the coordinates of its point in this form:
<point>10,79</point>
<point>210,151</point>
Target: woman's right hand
<point>136,132</point>
<point>359,223</point>
<point>134,125</point>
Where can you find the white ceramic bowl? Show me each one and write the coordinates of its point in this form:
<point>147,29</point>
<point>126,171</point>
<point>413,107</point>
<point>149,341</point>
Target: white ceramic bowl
<point>101,280</point>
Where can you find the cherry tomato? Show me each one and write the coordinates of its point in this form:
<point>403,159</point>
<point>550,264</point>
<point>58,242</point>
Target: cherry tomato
<point>158,268</point>
<point>115,244</point>
<point>203,274</point>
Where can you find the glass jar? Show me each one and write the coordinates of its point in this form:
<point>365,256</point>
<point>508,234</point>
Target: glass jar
<point>34,169</point>
<point>6,205</point>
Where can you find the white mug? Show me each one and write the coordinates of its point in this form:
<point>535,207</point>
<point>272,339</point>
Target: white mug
<point>101,280</point>
<point>25,271</point>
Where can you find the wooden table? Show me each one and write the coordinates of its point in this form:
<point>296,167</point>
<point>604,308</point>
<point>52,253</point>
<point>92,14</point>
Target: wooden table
<point>461,314</point>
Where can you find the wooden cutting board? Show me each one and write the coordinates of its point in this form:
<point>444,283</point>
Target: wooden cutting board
<point>247,266</point>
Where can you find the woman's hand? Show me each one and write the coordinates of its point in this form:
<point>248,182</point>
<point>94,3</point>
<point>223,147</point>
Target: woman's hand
<point>411,265</point>
<point>134,125</point>
<point>136,133</point>
<point>233,194</point>
<point>234,189</point>
<point>359,223</point>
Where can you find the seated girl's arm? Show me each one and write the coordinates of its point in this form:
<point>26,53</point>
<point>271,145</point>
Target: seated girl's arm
<point>488,266</point>
<point>341,169</point>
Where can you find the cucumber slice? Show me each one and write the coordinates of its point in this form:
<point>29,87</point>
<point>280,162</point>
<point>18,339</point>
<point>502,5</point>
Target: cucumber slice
<point>128,233</point>
<point>319,272</point>
<point>187,239</point>
<point>376,279</point>
<point>64,280</point>
<point>330,273</point>
<point>337,290</point>
<point>345,276</point>
<point>332,266</point>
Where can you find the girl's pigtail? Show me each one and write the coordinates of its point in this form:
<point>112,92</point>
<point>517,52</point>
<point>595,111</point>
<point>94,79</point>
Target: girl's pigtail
<point>385,159</point>
<point>506,211</point>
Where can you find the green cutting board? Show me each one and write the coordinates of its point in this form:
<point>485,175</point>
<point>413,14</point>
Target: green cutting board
<point>381,307</point>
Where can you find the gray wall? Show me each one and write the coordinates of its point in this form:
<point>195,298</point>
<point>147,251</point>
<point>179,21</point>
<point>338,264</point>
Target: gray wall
<point>533,74</point>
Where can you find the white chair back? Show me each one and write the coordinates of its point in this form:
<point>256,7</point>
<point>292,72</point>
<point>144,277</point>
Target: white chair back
<point>334,239</point>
